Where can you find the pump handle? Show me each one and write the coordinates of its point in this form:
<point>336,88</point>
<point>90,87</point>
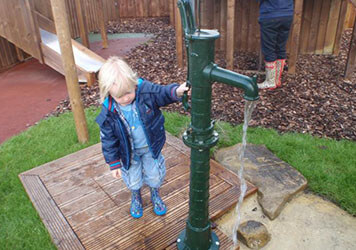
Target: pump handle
<point>185,102</point>
<point>187,16</point>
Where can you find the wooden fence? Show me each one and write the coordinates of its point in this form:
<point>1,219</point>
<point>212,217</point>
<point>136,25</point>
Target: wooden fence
<point>8,55</point>
<point>114,10</point>
<point>319,32</point>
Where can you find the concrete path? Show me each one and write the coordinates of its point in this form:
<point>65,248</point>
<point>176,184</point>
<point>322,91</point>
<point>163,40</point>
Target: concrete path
<point>306,222</point>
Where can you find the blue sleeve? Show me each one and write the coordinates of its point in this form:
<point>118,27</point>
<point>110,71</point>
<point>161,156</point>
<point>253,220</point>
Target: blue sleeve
<point>167,94</point>
<point>163,94</point>
<point>110,144</point>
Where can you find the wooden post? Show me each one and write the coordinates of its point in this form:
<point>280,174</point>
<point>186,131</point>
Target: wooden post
<point>350,15</point>
<point>90,78</point>
<point>171,11</point>
<point>19,54</point>
<point>351,58</point>
<point>179,36</point>
<point>63,33</point>
<point>104,36</point>
<point>340,27</point>
<point>230,34</point>
<point>334,16</point>
<point>293,57</point>
<point>223,10</point>
<point>117,10</point>
<point>83,30</point>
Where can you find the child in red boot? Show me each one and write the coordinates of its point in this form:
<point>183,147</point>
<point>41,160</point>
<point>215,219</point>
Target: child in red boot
<point>276,17</point>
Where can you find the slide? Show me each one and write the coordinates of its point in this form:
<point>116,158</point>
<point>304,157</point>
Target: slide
<point>87,61</point>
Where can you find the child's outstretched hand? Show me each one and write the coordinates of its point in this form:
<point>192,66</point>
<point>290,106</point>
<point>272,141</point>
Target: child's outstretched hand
<point>180,90</point>
<point>116,173</point>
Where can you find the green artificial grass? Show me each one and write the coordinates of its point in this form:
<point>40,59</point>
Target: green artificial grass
<point>329,166</point>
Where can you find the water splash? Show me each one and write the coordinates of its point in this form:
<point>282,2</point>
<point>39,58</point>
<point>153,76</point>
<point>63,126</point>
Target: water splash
<point>249,107</point>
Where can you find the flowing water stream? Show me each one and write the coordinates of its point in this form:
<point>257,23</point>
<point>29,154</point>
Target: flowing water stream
<point>249,107</point>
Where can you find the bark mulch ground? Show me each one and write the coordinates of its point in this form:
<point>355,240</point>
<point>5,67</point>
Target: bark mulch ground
<point>316,100</point>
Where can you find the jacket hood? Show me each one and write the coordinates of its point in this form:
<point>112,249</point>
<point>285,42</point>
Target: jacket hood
<point>109,101</point>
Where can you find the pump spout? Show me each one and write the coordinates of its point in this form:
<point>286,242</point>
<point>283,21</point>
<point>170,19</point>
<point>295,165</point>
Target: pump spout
<point>216,74</point>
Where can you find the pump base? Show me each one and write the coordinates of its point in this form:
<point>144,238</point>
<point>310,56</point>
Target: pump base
<point>215,243</point>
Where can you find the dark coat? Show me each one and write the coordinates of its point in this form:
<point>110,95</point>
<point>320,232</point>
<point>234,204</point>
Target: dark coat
<point>276,9</point>
<point>116,143</point>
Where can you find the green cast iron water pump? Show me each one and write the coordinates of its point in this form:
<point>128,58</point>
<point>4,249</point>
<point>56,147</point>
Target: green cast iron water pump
<point>200,136</point>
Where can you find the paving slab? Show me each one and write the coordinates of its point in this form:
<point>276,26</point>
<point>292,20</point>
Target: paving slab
<point>308,222</point>
<point>277,181</point>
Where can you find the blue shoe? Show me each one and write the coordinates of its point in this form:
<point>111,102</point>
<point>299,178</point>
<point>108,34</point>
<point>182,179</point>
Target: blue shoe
<point>158,205</point>
<point>136,209</point>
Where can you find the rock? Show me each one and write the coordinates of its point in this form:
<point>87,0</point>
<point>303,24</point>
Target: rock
<point>277,181</point>
<point>253,234</point>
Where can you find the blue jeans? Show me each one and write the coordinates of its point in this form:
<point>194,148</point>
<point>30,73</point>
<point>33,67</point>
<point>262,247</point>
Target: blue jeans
<point>144,169</point>
<point>274,37</point>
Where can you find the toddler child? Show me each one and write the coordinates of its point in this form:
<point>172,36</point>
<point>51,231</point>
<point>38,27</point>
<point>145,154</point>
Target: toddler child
<point>132,130</point>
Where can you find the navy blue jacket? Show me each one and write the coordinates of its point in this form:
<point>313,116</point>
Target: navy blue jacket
<point>114,136</point>
<point>276,8</point>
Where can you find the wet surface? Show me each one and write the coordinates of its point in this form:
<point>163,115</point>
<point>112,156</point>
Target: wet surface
<point>30,90</point>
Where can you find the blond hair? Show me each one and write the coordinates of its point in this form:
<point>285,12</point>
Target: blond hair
<point>116,71</point>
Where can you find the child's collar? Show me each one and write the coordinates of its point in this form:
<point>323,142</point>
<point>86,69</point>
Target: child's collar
<point>109,101</point>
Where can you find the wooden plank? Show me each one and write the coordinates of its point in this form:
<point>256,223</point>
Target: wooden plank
<point>6,56</point>
<point>34,28</point>
<point>293,57</point>
<point>100,218</point>
<point>139,8</point>
<point>21,31</point>
<point>350,16</point>
<point>332,27</point>
<point>64,38</point>
<point>104,36</point>
<point>230,34</point>
<point>340,27</point>
<point>179,37</point>
<point>216,14</point>
<point>161,238</point>
<point>45,23</point>
<point>147,232</point>
<point>83,30</point>
<point>223,14</point>
<point>207,14</point>
<point>164,8</point>
<point>314,26</point>
<point>131,10</point>
<point>20,54</point>
<point>152,8</point>
<point>255,36</point>
<point>58,227</point>
<point>322,26</point>
<point>244,25</point>
<point>72,15</point>
<point>238,25</point>
<point>351,58</point>
<point>250,21</point>
<point>123,8</point>
<point>353,2</point>
<point>306,23</point>
<point>171,12</point>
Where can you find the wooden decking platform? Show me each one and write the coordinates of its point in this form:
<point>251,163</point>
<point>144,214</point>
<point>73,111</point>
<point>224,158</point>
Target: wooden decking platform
<point>83,207</point>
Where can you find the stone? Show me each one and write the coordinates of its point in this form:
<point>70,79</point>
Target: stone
<point>277,181</point>
<point>253,234</point>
